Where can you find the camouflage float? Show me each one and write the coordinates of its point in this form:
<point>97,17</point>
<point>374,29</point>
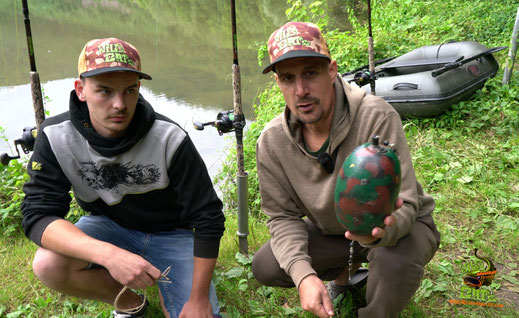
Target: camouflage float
<point>367,187</point>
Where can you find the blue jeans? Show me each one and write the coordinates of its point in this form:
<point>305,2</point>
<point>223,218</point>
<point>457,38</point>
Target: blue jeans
<point>161,249</point>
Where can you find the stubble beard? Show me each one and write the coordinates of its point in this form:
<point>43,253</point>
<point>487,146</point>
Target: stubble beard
<point>316,114</point>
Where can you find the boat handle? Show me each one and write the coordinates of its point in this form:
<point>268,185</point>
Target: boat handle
<point>405,86</point>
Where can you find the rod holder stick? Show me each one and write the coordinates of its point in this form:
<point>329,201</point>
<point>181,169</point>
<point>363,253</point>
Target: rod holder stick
<point>243,218</point>
<point>512,52</point>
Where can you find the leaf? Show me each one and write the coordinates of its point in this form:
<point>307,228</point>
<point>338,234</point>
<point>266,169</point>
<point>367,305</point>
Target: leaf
<point>242,285</point>
<point>234,272</point>
<point>511,279</point>
<point>465,179</point>
<point>449,239</point>
<point>446,267</point>
<point>438,176</point>
<point>514,205</point>
<point>426,288</point>
<point>506,222</point>
<point>479,232</point>
<point>265,291</point>
<point>289,311</point>
<point>243,259</point>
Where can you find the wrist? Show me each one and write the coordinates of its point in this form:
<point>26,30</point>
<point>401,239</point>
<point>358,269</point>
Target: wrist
<point>105,253</point>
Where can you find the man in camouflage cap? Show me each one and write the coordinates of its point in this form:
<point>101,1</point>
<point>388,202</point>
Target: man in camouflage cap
<point>299,155</point>
<point>151,202</point>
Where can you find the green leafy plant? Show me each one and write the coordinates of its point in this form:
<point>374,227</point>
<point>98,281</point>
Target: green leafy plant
<point>13,178</point>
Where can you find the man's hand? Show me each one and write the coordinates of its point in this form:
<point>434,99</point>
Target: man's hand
<point>314,297</point>
<point>131,269</point>
<point>198,304</point>
<point>377,232</point>
<point>127,268</point>
<point>197,308</point>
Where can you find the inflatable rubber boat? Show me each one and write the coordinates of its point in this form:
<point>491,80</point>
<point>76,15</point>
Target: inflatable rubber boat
<point>428,80</point>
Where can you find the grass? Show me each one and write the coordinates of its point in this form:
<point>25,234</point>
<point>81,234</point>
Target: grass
<point>474,178</point>
<point>240,295</point>
<point>467,159</point>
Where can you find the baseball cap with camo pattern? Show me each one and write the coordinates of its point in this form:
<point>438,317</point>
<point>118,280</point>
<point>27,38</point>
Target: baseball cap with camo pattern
<point>101,56</point>
<point>296,39</point>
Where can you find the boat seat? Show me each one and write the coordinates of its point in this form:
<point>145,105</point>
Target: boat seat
<point>422,62</point>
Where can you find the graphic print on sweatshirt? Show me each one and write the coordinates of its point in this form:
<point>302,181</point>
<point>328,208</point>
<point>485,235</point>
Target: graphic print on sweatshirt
<point>141,169</point>
<point>109,176</point>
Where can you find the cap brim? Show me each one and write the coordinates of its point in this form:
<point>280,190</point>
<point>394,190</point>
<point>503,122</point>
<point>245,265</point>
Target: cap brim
<point>104,70</point>
<point>294,54</point>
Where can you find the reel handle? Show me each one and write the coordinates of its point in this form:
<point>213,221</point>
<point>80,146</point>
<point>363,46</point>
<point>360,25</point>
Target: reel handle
<point>200,126</point>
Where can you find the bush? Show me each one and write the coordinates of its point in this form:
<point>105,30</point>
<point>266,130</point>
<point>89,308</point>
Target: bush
<point>399,26</point>
<point>13,177</point>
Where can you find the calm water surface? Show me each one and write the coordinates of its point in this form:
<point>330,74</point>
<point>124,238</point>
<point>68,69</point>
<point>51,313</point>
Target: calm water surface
<point>186,46</point>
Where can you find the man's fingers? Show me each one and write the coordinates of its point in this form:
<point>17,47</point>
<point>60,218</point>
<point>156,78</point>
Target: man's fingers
<point>390,220</point>
<point>364,239</point>
<point>327,305</point>
<point>399,203</point>
<point>155,273</point>
<point>319,311</point>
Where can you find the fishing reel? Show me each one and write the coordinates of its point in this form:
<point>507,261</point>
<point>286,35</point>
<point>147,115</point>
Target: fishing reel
<point>362,78</point>
<point>225,122</point>
<point>26,142</point>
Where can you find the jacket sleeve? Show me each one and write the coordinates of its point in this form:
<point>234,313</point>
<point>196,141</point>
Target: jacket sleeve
<point>289,232</point>
<point>199,205</point>
<point>47,195</point>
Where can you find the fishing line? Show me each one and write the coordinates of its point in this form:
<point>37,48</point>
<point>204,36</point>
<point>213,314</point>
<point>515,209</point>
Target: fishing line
<point>163,279</point>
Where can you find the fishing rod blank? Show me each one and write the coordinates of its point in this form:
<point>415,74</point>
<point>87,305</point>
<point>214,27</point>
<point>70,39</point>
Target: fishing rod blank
<point>371,52</point>
<point>37,99</point>
<point>239,124</point>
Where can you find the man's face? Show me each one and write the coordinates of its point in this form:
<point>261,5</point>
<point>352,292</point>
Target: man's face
<point>111,99</point>
<point>307,85</point>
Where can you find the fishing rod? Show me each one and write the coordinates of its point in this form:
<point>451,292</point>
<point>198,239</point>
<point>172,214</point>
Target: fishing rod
<point>363,67</point>
<point>461,61</point>
<point>37,99</point>
<point>239,124</point>
<point>26,142</point>
<point>371,52</point>
<point>234,120</point>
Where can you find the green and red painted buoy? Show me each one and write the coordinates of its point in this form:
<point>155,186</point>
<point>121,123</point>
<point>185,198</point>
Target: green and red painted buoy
<point>367,187</point>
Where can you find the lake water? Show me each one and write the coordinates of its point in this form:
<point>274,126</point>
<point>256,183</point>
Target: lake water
<point>186,46</point>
